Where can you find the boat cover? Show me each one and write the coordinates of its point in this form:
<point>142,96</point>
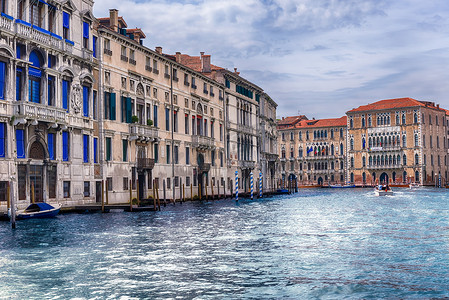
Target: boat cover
<point>41,206</point>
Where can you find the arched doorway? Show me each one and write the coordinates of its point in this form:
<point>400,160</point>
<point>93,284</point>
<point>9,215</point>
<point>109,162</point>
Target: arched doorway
<point>320,180</point>
<point>383,178</point>
<point>36,171</point>
<point>416,176</point>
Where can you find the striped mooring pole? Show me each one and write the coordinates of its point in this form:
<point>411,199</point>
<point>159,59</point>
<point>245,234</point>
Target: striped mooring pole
<point>260,185</point>
<point>236,185</point>
<point>252,184</point>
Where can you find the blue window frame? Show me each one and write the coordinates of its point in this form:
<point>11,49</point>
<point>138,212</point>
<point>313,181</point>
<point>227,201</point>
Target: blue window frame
<point>20,143</point>
<point>85,101</point>
<point>65,20</point>
<point>34,90</point>
<point>2,79</point>
<point>2,139</point>
<point>155,115</point>
<point>94,46</point>
<point>86,35</point>
<point>18,83</point>
<point>51,146</point>
<point>65,95</point>
<point>65,146</point>
<point>95,150</point>
<point>85,148</point>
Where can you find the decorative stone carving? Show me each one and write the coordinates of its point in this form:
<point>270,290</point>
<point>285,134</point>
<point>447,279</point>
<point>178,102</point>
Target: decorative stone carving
<point>139,90</point>
<point>76,98</point>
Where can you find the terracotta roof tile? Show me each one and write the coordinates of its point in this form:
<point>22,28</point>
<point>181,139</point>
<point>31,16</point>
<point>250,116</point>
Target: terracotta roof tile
<point>291,120</point>
<point>389,104</point>
<point>335,122</point>
<point>194,63</point>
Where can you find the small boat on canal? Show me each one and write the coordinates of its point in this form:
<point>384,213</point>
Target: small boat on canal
<point>39,210</point>
<point>340,186</point>
<point>383,190</point>
<point>414,185</point>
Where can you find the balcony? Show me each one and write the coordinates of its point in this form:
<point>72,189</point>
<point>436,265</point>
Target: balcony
<point>132,61</point>
<point>202,142</point>
<point>155,71</point>
<point>6,22</point>
<point>378,167</point>
<point>108,52</point>
<point>246,129</point>
<point>186,83</point>
<point>175,79</point>
<point>166,75</point>
<point>143,133</point>
<point>212,94</point>
<point>387,148</point>
<point>145,163</point>
<point>124,58</point>
<point>39,112</point>
<point>205,167</point>
<point>247,164</point>
<point>87,54</point>
<point>68,46</point>
<point>148,68</point>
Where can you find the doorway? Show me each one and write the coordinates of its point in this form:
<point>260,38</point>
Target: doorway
<point>36,179</point>
<point>98,191</point>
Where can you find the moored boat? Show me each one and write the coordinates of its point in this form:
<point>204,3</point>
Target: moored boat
<point>39,210</point>
<point>414,185</point>
<point>339,186</point>
<point>383,190</point>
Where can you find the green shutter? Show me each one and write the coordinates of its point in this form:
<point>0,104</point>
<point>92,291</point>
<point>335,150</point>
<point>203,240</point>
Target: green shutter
<point>128,110</point>
<point>112,106</point>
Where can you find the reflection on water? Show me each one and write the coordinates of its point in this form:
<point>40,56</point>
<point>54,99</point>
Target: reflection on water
<point>319,243</point>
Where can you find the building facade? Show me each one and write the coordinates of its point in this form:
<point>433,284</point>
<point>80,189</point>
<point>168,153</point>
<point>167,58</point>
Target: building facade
<point>312,152</point>
<point>397,141</point>
<point>48,101</point>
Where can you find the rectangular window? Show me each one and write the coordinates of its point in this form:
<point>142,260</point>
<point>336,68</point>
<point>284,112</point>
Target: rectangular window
<point>20,143</point>
<point>66,188</point>
<point>51,146</point>
<point>34,88</point>
<point>212,157</point>
<point>52,181</point>
<point>167,154</point>
<point>125,150</point>
<point>109,106</point>
<point>86,35</point>
<point>2,139</point>
<point>175,121</point>
<point>86,188</point>
<point>221,133</point>
<point>108,149</point>
<point>51,91</point>
<point>94,105</point>
<point>109,183</point>
<point>187,156</point>
<point>94,46</point>
<point>125,183</point>
<point>65,146</point>
<point>95,150</point>
<point>186,124</point>
<point>85,101</point>
<point>133,177</point>
<point>212,129</point>
<point>156,153</point>
<point>175,154</point>
<point>221,159</point>
<point>65,95</point>
<point>22,180</point>
<point>155,116</point>
<point>65,25</point>
<point>187,181</point>
<point>85,148</point>
<point>167,119</point>
<point>127,107</point>
<point>18,83</point>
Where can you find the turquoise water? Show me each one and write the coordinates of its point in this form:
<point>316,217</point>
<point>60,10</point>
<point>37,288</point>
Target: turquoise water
<point>316,244</point>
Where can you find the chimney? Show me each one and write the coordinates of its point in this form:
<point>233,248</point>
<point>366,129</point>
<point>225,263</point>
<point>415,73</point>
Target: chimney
<point>235,71</point>
<point>159,50</point>
<point>438,105</point>
<point>178,57</point>
<point>205,63</point>
<point>113,19</point>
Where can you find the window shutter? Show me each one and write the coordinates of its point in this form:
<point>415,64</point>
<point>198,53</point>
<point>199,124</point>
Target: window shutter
<point>65,90</point>
<point>94,46</point>
<point>85,101</point>
<point>112,106</point>
<point>128,110</point>
<point>2,79</point>
<point>65,146</point>
<point>86,148</point>
<point>50,144</point>
<point>65,20</point>
<point>20,143</point>
<point>2,139</point>
<point>85,30</point>
<point>95,150</point>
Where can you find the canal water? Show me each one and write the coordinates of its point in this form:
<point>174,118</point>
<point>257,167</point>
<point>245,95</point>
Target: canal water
<point>316,244</point>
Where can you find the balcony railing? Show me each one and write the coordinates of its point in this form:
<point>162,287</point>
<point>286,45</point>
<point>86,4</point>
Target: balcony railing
<point>247,164</point>
<point>205,167</point>
<point>132,61</point>
<point>87,54</point>
<point>166,75</point>
<point>377,167</point>
<point>107,52</point>
<point>384,148</point>
<point>143,132</point>
<point>186,83</point>
<point>175,79</point>
<point>145,163</point>
<point>148,68</point>
<point>124,58</point>
<point>155,71</point>
<point>246,128</point>
<point>202,142</point>
<point>6,22</point>
<point>39,112</point>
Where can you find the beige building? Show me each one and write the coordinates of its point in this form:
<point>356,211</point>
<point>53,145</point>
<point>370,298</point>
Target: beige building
<point>48,101</point>
<point>312,152</point>
<point>397,141</point>
<point>162,120</point>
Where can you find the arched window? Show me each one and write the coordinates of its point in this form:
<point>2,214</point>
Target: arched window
<point>34,77</point>
<point>341,165</point>
<point>332,150</point>
<point>370,161</point>
<point>364,177</point>
<point>397,119</point>
<point>388,120</point>
<point>404,141</point>
<point>341,148</point>
<point>363,121</point>
<point>415,118</point>
<point>351,123</point>
<point>352,162</point>
<point>352,177</point>
<point>370,142</point>
<point>382,160</point>
<point>417,176</point>
<point>404,160</point>
<point>390,159</point>
<point>394,159</point>
<point>363,143</point>
<point>416,140</point>
<point>416,159</point>
<point>364,161</point>
<point>341,132</point>
<point>300,152</point>
<point>398,159</point>
<point>430,119</point>
<point>403,119</point>
<point>352,144</point>
<point>369,121</point>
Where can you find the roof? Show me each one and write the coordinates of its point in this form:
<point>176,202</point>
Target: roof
<point>136,30</point>
<point>303,124</point>
<point>105,21</point>
<point>392,104</point>
<point>194,63</point>
<point>291,120</point>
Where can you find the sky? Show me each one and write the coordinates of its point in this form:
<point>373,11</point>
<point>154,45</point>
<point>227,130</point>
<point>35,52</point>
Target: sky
<point>319,58</point>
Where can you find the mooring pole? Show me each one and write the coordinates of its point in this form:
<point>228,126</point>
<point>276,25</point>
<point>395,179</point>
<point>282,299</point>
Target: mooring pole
<point>165,195</point>
<point>252,184</point>
<point>157,193</point>
<point>8,200</point>
<point>32,192</point>
<point>199,190</point>
<point>138,196</point>
<point>183,193</point>
<point>260,185</point>
<point>102,196</point>
<point>191,192</point>
<point>13,206</point>
<point>107,192</point>
<point>236,186</point>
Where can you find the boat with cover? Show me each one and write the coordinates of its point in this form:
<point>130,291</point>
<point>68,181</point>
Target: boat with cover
<point>339,186</point>
<point>383,190</point>
<point>39,210</point>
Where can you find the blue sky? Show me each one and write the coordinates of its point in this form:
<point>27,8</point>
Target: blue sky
<point>320,58</point>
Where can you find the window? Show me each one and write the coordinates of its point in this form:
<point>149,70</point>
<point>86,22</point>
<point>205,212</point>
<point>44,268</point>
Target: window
<point>416,140</point>
<point>66,189</point>
<point>167,154</point>
<point>85,101</point>
<point>2,139</point>
<point>221,132</point>
<point>175,154</point>
<point>404,160</point>
<point>155,115</point>
<point>167,119</point>
<point>404,141</point>
<point>85,148</point>
<point>364,161</point>
<point>109,183</point>
<point>19,82</point>
<point>65,25</point>
<point>86,35</point>
<point>94,105</point>
<point>186,124</point>
<point>212,157</point>
<point>403,119</point>
<point>156,153</point>
<point>86,188</point>
<point>187,156</point>
<point>125,150</point>
<point>416,159</point>
<point>36,13</point>
<point>125,183</point>
<point>51,91</point>
<point>363,121</point>
<point>109,106</point>
<point>65,146</point>
<point>95,150</point>
<point>221,159</point>
<point>175,121</point>
<point>127,106</point>
<point>20,143</point>
<point>123,54</point>
<point>94,46</point>
<point>108,149</point>
<point>51,146</point>
<point>3,190</point>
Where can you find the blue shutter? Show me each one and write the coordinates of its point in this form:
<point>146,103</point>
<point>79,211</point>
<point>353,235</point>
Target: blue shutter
<point>2,79</point>
<point>18,83</point>
<point>128,110</point>
<point>50,90</point>
<point>51,147</point>
<point>85,101</point>
<point>155,115</point>
<point>86,148</point>
<point>65,90</point>
<point>112,106</point>
<point>2,139</point>
<point>65,20</point>
<point>95,150</point>
<point>94,46</point>
<point>85,30</point>
<point>20,143</point>
<point>65,146</point>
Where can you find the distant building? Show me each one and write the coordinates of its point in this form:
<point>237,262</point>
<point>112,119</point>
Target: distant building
<point>397,141</point>
<point>312,152</point>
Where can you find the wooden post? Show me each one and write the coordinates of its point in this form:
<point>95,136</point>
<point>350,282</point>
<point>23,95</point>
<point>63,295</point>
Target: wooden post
<point>154,197</point>
<point>107,192</point>
<point>207,185</point>
<point>32,192</point>
<point>158,200</point>
<point>8,200</point>
<point>137,187</point>
<point>191,192</point>
<point>102,196</point>
<point>199,190</point>
<point>183,193</point>
<point>13,206</point>
<point>181,188</point>
<point>212,191</point>
<point>130,187</point>
<point>165,195</point>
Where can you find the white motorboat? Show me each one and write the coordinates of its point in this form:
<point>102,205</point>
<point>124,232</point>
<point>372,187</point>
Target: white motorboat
<point>383,190</point>
<point>414,185</point>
